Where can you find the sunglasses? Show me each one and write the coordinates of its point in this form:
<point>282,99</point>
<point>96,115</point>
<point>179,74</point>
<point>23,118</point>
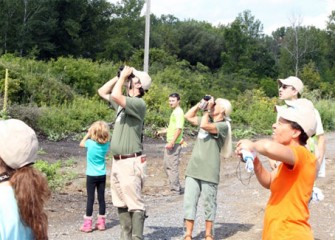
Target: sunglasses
<point>283,86</point>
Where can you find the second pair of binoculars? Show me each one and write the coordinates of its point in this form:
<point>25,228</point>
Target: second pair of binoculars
<point>204,102</point>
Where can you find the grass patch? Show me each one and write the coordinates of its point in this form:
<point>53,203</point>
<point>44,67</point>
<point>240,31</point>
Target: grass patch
<point>57,178</point>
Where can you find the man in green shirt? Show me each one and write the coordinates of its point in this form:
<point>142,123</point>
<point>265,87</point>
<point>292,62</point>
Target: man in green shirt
<point>203,169</point>
<point>128,173</point>
<point>174,136</point>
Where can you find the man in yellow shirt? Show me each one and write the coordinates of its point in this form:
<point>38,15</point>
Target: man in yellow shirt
<point>174,136</point>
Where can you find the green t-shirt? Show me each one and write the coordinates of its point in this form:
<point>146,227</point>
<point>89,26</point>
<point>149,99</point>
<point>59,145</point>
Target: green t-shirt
<point>126,138</point>
<point>205,161</point>
<point>176,121</point>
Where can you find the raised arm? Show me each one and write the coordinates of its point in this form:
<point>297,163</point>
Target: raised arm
<point>191,115</point>
<point>106,89</point>
<point>117,95</point>
<point>82,142</point>
<point>205,123</point>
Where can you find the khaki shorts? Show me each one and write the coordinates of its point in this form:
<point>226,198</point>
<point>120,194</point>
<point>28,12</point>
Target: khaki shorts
<point>127,180</point>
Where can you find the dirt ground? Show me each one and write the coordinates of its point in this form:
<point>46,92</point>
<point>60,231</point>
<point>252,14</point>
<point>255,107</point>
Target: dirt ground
<point>241,200</point>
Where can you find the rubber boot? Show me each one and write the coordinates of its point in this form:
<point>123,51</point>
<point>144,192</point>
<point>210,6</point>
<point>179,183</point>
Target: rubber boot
<point>101,222</point>
<point>138,225</point>
<point>87,226</point>
<point>125,223</point>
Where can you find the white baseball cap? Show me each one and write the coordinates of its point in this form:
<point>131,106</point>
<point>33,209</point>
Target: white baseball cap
<point>18,143</point>
<point>144,78</point>
<point>300,111</point>
<point>294,82</point>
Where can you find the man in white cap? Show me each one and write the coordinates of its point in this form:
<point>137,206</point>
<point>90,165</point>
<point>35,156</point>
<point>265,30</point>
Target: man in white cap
<point>290,89</point>
<point>127,176</point>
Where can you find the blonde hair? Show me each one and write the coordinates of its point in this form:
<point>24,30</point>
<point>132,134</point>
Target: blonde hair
<point>100,132</point>
<point>227,107</point>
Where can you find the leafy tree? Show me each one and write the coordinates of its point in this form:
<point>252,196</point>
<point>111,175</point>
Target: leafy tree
<point>165,34</point>
<point>8,28</point>
<point>329,72</point>
<point>250,26</point>
<point>200,42</point>
<point>245,53</point>
<point>126,31</point>
<point>94,28</point>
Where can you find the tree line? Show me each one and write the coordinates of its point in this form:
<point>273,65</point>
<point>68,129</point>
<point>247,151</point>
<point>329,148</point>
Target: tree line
<point>102,31</point>
<point>59,52</point>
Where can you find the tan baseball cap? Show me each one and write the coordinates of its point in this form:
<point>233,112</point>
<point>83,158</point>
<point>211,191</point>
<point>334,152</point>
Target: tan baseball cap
<point>144,78</point>
<point>300,111</point>
<point>18,143</point>
<point>294,82</point>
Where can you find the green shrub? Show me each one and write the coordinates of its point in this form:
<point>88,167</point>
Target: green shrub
<point>29,114</point>
<point>58,122</point>
<point>51,170</point>
<point>56,178</point>
<point>326,109</point>
<point>158,109</point>
<point>253,112</point>
<point>80,74</point>
<point>240,133</point>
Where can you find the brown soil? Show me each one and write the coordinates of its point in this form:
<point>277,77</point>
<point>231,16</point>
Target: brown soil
<point>241,200</point>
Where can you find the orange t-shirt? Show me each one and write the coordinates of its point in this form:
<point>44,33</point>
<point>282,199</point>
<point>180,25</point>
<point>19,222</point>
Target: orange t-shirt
<point>286,214</point>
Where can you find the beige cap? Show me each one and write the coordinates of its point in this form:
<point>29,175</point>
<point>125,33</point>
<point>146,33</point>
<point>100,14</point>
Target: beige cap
<point>294,82</point>
<point>144,78</point>
<point>300,111</point>
<point>18,143</point>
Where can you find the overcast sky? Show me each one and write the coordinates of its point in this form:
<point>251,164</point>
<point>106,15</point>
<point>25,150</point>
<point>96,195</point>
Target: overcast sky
<point>271,13</point>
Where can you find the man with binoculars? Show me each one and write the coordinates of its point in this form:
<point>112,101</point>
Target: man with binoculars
<point>127,174</point>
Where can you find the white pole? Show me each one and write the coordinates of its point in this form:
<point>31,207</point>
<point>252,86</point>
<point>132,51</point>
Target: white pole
<point>147,37</point>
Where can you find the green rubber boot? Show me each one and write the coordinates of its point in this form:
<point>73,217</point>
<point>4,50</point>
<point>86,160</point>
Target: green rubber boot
<point>125,223</point>
<point>138,225</point>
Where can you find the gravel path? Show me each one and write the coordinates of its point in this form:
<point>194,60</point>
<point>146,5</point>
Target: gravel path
<point>239,214</point>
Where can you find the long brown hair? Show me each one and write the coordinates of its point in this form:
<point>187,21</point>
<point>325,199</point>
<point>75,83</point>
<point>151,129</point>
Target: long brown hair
<point>31,192</point>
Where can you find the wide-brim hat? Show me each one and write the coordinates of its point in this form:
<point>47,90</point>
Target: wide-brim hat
<point>18,143</point>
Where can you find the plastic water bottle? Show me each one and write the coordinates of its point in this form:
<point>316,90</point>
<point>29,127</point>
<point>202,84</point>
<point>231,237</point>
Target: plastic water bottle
<point>248,157</point>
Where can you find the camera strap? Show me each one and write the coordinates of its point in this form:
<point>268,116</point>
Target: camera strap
<point>4,177</point>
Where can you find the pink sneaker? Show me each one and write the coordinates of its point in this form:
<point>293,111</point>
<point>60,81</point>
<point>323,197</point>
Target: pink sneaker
<point>87,226</point>
<point>101,222</point>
